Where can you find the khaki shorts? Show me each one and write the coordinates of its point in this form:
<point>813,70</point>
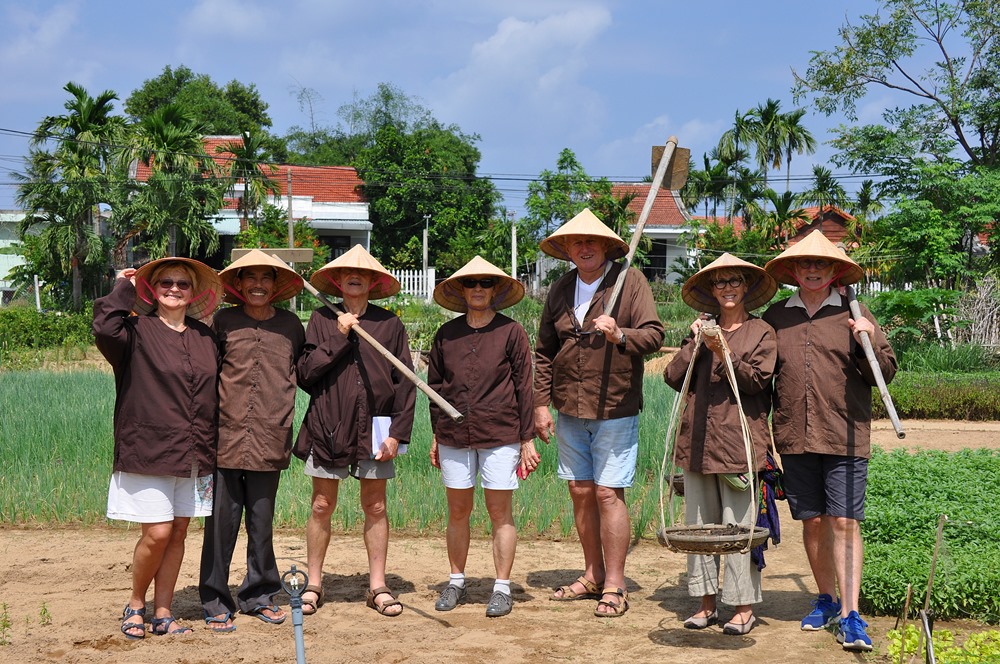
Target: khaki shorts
<point>364,469</point>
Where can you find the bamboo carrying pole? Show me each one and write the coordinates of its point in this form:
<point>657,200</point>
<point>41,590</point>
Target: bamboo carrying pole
<point>395,361</point>
<point>866,343</point>
<point>654,189</point>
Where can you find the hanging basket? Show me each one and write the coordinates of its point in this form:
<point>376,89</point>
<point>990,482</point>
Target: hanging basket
<point>711,539</point>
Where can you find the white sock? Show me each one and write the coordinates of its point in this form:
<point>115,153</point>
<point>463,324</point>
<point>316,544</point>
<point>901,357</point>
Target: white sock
<point>502,586</point>
<point>457,579</point>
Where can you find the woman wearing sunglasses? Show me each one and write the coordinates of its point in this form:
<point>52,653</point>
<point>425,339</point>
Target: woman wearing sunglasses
<point>166,364</point>
<point>709,444</point>
<point>481,363</point>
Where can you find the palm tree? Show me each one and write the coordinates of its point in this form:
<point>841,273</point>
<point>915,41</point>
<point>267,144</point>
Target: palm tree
<point>65,186</point>
<point>732,150</point>
<point>795,138</point>
<point>767,134</point>
<point>825,191</point>
<point>247,165</point>
<point>781,220</point>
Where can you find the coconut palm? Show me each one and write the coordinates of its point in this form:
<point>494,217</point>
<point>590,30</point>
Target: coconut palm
<point>795,138</point>
<point>248,165</point>
<point>780,221</point>
<point>767,132</point>
<point>825,191</point>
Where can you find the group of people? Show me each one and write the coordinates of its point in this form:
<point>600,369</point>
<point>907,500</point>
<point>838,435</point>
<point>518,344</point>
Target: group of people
<point>204,412</point>
<point>804,384</point>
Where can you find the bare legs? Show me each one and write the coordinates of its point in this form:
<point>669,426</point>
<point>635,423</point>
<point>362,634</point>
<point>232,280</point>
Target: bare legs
<point>157,559</point>
<point>376,531</point>
<point>499,505</point>
<point>602,523</point>
<point>836,553</point>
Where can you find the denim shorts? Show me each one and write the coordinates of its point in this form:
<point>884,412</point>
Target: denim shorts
<point>496,466</point>
<point>602,451</point>
<point>825,485</point>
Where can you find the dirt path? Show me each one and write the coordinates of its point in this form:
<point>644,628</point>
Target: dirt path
<point>81,577</point>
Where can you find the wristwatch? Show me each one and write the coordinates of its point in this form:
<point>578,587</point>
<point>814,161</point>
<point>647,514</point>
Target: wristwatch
<point>621,339</point>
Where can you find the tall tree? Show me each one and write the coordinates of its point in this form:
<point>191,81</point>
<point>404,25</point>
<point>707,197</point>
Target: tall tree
<point>942,55</point>
<point>795,137</point>
<point>557,196</point>
<point>250,170</point>
<point>825,190</point>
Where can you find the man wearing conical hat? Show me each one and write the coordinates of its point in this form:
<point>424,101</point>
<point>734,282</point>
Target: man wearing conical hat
<point>822,422</point>
<point>355,394</point>
<point>260,345</point>
<point>589,367</point>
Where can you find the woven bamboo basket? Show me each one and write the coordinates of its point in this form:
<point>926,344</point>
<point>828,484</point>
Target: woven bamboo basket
<point>711,539</point>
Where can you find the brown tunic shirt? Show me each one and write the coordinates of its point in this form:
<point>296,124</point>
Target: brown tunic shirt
<point>576,369</point>
<point>822,388</point>
<point>349,383</point>
<point>710,439</point>
<point>485,374</point>
<point>165,388</point>
<point>257,388</point>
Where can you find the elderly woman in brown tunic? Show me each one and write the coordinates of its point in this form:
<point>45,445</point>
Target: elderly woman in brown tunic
<point>709,444</point>
<point>481,364</point>
<point>166,364</point>
<point>260,344</point>
<point>353,390</point>
<point>822,422</point>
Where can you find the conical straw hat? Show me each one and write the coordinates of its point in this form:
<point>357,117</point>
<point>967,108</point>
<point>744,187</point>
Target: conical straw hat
<point>451,295</point>
<point>206,292</point>
<point>585,223</point>
<point>698,292</point>
<point>814,245</point>
<point>287,285</point>
<point>383,283</point>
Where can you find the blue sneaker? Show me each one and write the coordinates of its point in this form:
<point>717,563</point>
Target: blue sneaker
<point>852,633</point>
<point>826,612</point>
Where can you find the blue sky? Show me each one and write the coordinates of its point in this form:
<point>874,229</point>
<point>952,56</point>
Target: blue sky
<point>604,78</point>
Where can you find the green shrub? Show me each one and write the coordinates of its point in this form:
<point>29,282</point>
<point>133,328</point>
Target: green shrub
<point>949,396</point>
<point>24,328</point>
<point>976,648</point>
<point>962,358</point>
<point>907,493</point>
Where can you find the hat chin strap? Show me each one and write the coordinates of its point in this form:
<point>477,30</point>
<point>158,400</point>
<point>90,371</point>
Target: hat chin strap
<point>238,295</point>
<point>836,276</point>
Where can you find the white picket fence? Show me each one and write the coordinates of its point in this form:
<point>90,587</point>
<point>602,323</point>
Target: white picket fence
<point>416,283</point>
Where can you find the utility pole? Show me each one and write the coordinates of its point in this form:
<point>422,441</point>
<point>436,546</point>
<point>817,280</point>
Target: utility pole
<point>428,287</point>
<point>513,244</point>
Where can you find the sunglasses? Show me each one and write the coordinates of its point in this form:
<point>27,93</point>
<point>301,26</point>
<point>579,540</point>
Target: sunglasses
<point>167,284</point>
<point>811,263</point>
<point>484,283</point>
<point>735,282</point>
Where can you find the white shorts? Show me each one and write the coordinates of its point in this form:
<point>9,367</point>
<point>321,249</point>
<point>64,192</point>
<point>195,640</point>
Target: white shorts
<point>496,466</point>
<point>159,498</point>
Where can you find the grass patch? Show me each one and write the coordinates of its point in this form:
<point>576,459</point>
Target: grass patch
<point>947,396</point>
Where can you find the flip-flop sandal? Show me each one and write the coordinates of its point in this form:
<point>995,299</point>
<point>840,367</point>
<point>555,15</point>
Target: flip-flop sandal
<point>258,612</point>
<point>161,627</point>
<point>129,612</point>
<point>381,608</point>
<point>618,608</point>
<point>591,591</point>
<point>314,605</point>
<point>225,620</point>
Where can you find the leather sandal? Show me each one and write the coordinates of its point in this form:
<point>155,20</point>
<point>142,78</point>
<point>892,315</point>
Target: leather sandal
<point>129,612</point>
<point>618,608</point>
<point>161,627</point>
<point>313,605</point>
<point>591,591</point>
<point>381,608</point>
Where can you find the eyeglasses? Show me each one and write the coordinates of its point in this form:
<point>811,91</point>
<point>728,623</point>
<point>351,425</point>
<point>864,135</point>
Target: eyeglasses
<point>812,263</point>
<point>735,282</point>
<point>167,284</point>
<point>484,283</point>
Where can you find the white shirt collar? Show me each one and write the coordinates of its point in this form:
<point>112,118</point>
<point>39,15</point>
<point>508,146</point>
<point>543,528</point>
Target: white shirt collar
<point>833,299</point>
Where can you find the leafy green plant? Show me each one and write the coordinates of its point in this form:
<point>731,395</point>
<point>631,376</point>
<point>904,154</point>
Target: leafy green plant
<point>907,316</point>
<point>44,617</point>
<point>5,625</point>
<point>960,358</point>
<point>24,327</point>
<point>954,396</point>
<point>977,648</point>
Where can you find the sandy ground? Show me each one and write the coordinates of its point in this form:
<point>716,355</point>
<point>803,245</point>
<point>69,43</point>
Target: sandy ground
<point>81,578</point>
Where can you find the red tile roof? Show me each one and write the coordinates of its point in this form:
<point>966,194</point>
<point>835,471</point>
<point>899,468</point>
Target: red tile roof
<point>325,184</point>
<point>665,211</point>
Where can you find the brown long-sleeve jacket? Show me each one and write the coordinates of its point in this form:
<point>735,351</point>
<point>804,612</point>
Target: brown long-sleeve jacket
<point>822,387</point>
<point>165,388</point>
<point>486,375</point>
<point>349,383</point>
<point>576,369</point>
<point>710,438</point>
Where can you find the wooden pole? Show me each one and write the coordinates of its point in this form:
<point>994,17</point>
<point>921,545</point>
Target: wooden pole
<point>395,361</point>
<point>654,189</point>
<point>866,343</point>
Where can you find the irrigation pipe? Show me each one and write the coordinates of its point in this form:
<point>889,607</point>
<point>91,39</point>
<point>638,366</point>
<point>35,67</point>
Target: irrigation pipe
<point>866,343</point>
<point>395,361</point>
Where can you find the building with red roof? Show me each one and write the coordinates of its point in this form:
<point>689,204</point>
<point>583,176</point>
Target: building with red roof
<point>667,221</point>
